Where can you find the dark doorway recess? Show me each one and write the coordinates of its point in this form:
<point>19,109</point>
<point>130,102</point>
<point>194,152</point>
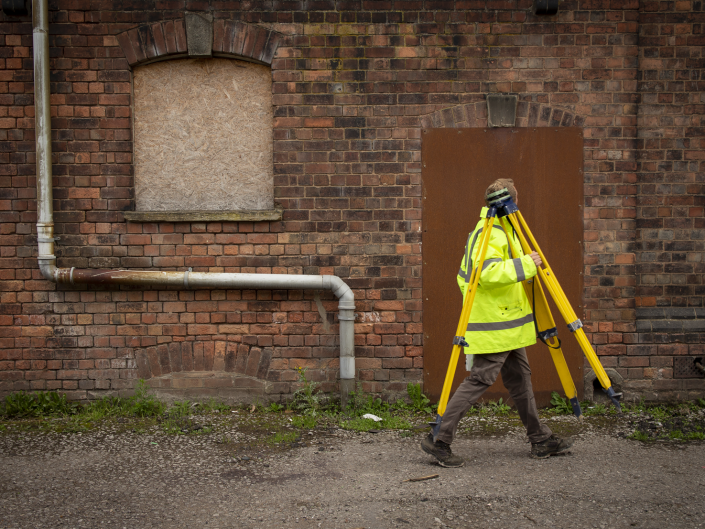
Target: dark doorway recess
<point>546,164</point>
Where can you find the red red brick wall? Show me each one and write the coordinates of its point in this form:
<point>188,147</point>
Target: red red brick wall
<point>353,83</point>
<point>669,241</point>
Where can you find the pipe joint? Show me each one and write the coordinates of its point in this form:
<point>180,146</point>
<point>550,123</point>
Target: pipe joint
<point>64,276</point>
<point>346,315</point>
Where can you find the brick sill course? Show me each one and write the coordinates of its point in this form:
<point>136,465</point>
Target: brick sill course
<point>204,216</point>
<point>670,319</point>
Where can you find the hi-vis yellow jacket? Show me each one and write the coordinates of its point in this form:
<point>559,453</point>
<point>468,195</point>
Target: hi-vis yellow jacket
<point>501,317</point>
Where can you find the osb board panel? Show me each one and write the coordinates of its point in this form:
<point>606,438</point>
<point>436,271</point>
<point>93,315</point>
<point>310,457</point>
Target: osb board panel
<point>203,135</point>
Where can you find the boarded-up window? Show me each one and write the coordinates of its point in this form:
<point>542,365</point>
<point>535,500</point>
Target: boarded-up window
<point>203,136</point>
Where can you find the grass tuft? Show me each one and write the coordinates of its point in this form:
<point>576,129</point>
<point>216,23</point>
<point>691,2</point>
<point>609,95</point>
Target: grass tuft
<point>305,422</point>
<point>283,437</point>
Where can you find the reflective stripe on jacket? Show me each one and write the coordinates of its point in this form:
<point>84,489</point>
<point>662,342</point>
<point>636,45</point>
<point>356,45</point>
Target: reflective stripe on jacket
<point>501,317</point>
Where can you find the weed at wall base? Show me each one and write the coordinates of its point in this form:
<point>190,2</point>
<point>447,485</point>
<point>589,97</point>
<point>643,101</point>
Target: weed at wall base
<point>51,404</point>
<point>39,404</point>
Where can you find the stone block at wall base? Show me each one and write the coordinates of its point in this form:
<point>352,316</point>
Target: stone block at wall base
<point>673,390</point>
<point>230,388</point>
<point>660,390</point>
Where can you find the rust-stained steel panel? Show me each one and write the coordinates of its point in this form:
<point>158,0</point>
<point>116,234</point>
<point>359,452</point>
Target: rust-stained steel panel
<point>458,164</point>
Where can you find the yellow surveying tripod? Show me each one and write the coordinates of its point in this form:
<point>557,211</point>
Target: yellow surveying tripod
<point>502,206</point>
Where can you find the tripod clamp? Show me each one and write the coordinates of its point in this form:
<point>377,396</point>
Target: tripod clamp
<point>577,324</point>
<point>547,334</point>
<point>460,340</point>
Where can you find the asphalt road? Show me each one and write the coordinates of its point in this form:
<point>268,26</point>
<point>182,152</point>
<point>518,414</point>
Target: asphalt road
<point>339,479</point>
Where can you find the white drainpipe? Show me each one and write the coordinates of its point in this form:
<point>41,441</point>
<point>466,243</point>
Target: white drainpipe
<point>45,231</point>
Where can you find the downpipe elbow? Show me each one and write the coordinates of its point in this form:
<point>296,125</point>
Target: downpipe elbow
<point>47,266</point>
<point>345,295</point>
<point>346,316</point>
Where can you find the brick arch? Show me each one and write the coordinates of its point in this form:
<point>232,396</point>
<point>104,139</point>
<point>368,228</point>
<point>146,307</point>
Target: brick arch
<point>168,40</point>
<point>228,369</point>
<point>471,115</point>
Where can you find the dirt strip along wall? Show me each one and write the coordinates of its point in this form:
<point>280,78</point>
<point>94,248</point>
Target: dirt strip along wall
<point>353,83</point>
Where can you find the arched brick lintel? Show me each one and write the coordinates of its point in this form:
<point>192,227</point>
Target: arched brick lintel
<point>168,39</point>
<point>221,356</point>
<point>232,371</point>
<point>471,115</point>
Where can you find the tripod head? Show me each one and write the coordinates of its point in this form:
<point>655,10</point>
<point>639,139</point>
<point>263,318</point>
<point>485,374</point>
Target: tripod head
<point>501,204</point>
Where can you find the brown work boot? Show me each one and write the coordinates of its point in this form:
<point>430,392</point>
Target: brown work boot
<point>442,452</point>
<point>550,447</point>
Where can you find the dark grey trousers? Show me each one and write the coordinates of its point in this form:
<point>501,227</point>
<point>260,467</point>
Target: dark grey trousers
<point>516,376</point>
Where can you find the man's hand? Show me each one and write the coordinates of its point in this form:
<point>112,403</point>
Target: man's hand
<point>537,259</point>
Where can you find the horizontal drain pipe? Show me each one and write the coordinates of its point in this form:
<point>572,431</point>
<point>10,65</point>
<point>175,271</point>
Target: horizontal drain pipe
<point>188,280</point>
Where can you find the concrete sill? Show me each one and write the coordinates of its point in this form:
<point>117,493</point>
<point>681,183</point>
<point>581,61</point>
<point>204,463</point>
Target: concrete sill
<point>204,216</point>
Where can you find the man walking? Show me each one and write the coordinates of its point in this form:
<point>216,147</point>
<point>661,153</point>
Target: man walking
<point>501,325</point>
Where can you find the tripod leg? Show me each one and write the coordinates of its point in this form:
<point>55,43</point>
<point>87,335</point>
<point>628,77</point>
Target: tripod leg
<point>546,328</point>
<point>547,331</point>
<point>574,323</point>
<point>459,340</point>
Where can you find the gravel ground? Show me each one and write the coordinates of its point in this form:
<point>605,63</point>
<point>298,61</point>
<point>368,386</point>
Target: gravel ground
<point>113,477</point>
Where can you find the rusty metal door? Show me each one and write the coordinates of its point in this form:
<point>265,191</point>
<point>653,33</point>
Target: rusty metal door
<point>458,164</point>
